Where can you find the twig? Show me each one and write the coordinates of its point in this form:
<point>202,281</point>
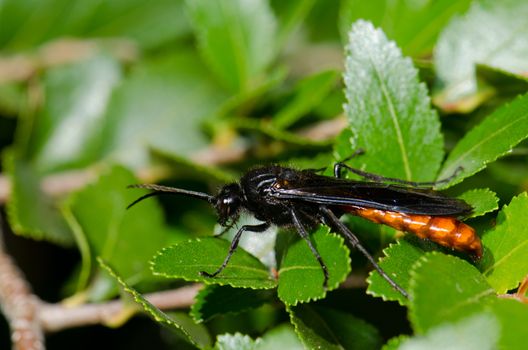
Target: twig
<point>56,317</point>
<point>19,305</point>
<point>19,68</point>
<point>520,294</point>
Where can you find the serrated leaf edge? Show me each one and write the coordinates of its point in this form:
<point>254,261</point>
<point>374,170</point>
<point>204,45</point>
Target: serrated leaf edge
<point>413,282</point>
<point>329,288</point>
<point>451,169</point>
<point>372,272</point>
<point>209,281</point>
<point>145,304</point>
<point>499,224</point>
<point>486,190</point>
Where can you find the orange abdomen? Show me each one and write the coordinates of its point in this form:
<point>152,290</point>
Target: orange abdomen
<point>444,230</point>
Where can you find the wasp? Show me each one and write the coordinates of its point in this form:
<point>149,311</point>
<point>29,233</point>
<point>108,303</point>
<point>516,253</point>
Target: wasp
<point>303,199</point>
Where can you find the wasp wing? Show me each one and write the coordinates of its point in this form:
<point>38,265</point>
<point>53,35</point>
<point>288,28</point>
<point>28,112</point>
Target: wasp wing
<point>340,192</point>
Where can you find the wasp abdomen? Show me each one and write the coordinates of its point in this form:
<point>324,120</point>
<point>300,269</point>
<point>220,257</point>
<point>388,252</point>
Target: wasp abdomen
<point>444,230</point>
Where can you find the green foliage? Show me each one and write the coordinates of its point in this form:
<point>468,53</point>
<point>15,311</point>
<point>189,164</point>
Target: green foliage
<point>505,266</point>
<point>309,93</point>
<point>214,300</point>
<point>397,127</point>
<point>114,233</point>
<point>187,259</point>
<point>321,328</point>
<point>494,137</point>
<point>167,116</point>
<point>31,212</point>
<point>180,323</point>
<point>482,200</point>
<point>398,260</point>
<point>432,303</point>
<point>300,274</point>
<point>279,337</point>
<point>475,332</point>
<point>231,37</point>
<point>193,93</point>
<point>67,132</point>
<point>414,26</point>
<point>455,60</point>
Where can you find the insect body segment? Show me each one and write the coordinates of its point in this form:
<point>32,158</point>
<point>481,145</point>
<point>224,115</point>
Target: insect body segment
<point>446,231</point>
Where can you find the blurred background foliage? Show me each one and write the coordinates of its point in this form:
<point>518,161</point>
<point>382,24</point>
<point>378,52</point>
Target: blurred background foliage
<point>96,95</point>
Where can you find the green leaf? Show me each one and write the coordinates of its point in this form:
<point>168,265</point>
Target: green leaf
<point>505,263</point>
<point>180,323</point>
<point>394,343</point>
<point>127,239</point>
<point>491,139</point>
<point>214,300</point>
<point>267,128</point>
<point>30,211</point>
<point>236,38</point>
<point>309,93</point>
<point>235,341</point>
<point>167,115</point>
<point>281,337</point>
<point>483,201</point>
<point>300,275</point>
<point>397,263</point>
<point>466,41</point>
<point>259,244</point>
<point>505,83</point>
<point>186,260</point>
<point>388,109</point>
<point>414,25</point>
<point>150,24</point>
<point>444,288</point>
<point>67,133</point>
<point>476,332</point>
<point>25,24</point>
<point>513,317</point>
<point>321,328</point>
<point>290,15</point>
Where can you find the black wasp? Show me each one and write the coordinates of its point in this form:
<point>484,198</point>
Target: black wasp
<point>302,199</point>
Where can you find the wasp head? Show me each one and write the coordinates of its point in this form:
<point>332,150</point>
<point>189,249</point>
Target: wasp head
<point>228,203</point>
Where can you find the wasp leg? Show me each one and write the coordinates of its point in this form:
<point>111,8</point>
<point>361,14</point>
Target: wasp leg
<point>378,178</point>
<point>225,229</point>
<point>334,222</point>
<point>304,234</point>
<point>234,244</point>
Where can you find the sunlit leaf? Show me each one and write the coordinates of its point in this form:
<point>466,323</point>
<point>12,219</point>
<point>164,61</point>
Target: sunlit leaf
<point>494,137</point>
<point>414,25</point>
<point>505,263</point>
<point>236,38</point>
<point>388,109</point>
<point>167,115</point>
<point>301,276</point>
<point>466,41</point>
<point>483,201</point>
<point>186,260</point>
<point>444,288</point>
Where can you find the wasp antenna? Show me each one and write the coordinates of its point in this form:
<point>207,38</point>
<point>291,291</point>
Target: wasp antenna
<point>159,190</point>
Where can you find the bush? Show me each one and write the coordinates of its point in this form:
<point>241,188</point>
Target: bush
<point>96,96</point>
